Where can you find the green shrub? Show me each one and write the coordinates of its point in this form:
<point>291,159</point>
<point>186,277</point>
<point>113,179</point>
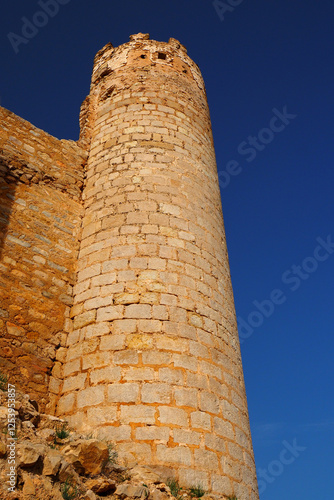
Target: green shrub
<point>61,432</point>
<point>113,455</point>
<point>69,490</point>
<point>197,491</point>
<point>174,487</point>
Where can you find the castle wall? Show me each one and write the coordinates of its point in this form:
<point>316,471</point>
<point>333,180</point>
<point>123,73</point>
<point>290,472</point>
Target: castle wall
<point>40,216</point>
<point>153,361</point>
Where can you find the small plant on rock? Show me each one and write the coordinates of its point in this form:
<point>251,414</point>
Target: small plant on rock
<point>232,498</point>
<point>69,490</point>
<point>113,455</point>
<point>197,491</point>
<point>174,487</point>
<point>3,381</point>
<point>61,432</point>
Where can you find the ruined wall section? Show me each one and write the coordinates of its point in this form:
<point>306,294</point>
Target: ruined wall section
<point>41,179</point>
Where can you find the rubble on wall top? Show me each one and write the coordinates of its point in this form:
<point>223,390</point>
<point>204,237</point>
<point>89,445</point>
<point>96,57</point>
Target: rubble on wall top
<point>139,36</point>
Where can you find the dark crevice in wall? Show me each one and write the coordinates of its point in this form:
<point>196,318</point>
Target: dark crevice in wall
<point>8,186</point>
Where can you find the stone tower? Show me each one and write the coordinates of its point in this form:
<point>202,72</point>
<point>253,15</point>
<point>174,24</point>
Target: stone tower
<point>153,360</point>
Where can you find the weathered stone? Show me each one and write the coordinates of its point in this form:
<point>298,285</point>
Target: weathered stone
<point>29,453</point>
<point>89,495</point>
<point>3,449</point>
<point>144,474</point>
<point>131,490</point>
<point>67,472</point>
<point>47,434</point>
<point>28,485</point>
<point>159,495</point>
<point>87,456</point>
<point>101,485</point>
<point>52,462</point>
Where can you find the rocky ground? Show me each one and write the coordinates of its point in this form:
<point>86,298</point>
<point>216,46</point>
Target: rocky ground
<point>51,462</point>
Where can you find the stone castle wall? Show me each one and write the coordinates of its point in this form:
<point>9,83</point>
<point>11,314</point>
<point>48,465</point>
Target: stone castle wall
<point>40,214</point>
<point>145,350</point>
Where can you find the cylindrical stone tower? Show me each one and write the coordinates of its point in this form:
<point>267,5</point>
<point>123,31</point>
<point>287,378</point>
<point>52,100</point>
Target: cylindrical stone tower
<point>153,362</point>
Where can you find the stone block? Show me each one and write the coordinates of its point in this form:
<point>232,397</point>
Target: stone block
<point>196,380</point>
<point>156,393</point>
<point>235,451</point>
<point>84,319</point>
<point>198,350</point>
<point>186,437</point>
<point>205,459</point>
<point>149,325</point>
<point>209,402</point>
<point>185,361</point>
<point>113,433</point>
<point>172,376</point>
<point>173,416</point>
<point>140,341</point>
<point>218,388</point>
<point>71,367</point>
<point>215,443</point>
<point>190,477</point>
<point>109,313</point>
<point>124,326</point>
<point>112,342</point>
<point>186,397</point>
<point>108,374</point>
<point>211,369</point>
<point>126,298</point>
<point>133,453</point>
<point>200,420</point>
<point>74,383</point>
<point>179,455</point>
<point>223,428</point>
<point>153,432</point>
<point>171,344</point>
<point>138,311</point>
<point>221,485</point>
<point>96,330</point>
<point>126,357</point>
<point>66,404</point>
<point>104,279</point>
<point>123,393</point>
<point>158,358</point>
<point>141,414</point>
<point>90,396</point>
<point>95,360</point>
<point>138,374</point>
<point>104,415</point>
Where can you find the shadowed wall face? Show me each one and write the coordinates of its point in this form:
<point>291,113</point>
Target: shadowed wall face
<point>39,222</point>
<point>153,361</point>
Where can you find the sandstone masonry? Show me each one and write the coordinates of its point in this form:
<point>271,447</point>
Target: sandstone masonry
<point>124,292</point>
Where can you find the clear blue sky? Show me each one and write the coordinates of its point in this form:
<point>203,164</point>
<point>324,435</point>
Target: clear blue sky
<point>260,59</point>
